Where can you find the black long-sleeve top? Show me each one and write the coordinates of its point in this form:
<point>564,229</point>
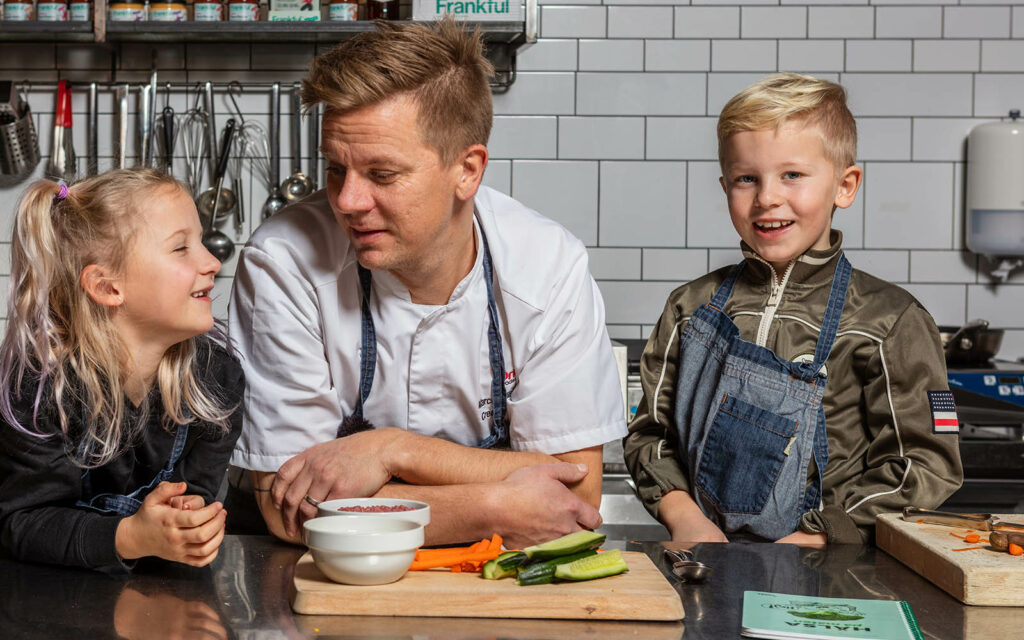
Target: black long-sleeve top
<point>40,484</point>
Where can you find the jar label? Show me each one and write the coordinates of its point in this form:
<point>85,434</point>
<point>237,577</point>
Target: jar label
<point>164,14</point>
<point>52,12</point>
<point>80,12</point>
<point>18,11</point>
<point>343,11</point>
<point>208,11</point>
<point>127,13</point>
<point>244,12</point>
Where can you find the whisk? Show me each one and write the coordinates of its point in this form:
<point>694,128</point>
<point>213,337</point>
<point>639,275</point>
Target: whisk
<point>193,142</point>
<point>256,145</point>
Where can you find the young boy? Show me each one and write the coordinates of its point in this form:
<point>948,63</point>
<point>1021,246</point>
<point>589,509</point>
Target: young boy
<point>790,397</point>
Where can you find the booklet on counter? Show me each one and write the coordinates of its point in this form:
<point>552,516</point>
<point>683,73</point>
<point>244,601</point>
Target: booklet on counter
<point>783,616</point>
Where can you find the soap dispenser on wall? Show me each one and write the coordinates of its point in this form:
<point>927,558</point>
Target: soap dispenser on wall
<point>995,193</point>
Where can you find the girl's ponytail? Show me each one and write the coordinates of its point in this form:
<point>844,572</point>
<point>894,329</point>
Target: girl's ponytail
<point>35,266</point>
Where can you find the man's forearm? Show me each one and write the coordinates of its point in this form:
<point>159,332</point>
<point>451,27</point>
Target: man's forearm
<point>425,460</point>
<point>458,512</point>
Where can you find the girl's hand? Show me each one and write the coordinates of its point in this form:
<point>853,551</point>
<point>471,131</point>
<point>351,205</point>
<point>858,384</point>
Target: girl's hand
<point>189,536</point>
<point>189,502</point>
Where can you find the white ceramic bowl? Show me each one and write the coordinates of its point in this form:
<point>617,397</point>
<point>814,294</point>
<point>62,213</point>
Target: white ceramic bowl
<point>418,511</point>
<point>363,549</point>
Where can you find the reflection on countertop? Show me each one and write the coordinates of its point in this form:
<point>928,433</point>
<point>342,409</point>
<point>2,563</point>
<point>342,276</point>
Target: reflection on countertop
<point>244,594</point>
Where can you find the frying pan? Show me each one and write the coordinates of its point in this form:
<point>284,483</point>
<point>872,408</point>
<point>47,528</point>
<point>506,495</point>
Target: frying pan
<point>971,343</point>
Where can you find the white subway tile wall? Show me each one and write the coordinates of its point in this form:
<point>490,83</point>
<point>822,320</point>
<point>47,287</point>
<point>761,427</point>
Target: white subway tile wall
<point>610,130</point>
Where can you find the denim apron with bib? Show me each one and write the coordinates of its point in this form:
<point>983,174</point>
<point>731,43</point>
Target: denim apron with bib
<point>750,420</point>
<point>499,436</point>
<point>127,505</point>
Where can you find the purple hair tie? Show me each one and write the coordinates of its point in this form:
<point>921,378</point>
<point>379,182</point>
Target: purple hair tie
<point>62,192</point>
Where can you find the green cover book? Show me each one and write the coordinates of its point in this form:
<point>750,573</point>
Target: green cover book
<point>780,615</point>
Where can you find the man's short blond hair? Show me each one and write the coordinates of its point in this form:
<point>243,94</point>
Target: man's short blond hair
<point>784,97</point>
<point>441,66</point>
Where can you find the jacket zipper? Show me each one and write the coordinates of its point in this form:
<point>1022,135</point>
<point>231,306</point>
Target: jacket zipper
<point>774,298</point>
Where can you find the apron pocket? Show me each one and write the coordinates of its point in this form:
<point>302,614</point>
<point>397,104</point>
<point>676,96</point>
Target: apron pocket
<point>743,454</point>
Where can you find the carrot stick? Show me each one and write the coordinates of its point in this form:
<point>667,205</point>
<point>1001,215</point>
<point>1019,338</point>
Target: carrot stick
<point>968,549</point>
<point>955,535</point>
<point>483,556</point>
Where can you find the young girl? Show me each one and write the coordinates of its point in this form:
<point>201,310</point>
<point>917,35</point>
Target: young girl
<point>117,413</point>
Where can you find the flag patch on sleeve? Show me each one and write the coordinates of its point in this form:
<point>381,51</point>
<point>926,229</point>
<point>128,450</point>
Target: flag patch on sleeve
<point>943,407</point>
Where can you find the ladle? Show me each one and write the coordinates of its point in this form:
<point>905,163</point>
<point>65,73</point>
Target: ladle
<point>685,567</point>
<point>275,201</point>
<point>216,242</point>
<point>227,197</point>
<point>298,185</point>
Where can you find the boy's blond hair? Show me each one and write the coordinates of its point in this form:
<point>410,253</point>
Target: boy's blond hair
<point>441,66</point>
<point>783,97</point>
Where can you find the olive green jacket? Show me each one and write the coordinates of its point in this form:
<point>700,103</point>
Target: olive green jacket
<point>883,454</point>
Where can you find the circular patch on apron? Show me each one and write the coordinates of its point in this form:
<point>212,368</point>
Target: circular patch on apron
<point>809,357</point>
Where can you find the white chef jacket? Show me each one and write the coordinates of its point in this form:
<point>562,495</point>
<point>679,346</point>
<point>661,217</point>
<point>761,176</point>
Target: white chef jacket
<point>295,319</point>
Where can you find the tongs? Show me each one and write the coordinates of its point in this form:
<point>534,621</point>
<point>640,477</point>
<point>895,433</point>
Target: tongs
<point>979,521</point>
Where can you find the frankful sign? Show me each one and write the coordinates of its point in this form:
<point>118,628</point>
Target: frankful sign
<point>473,10</point>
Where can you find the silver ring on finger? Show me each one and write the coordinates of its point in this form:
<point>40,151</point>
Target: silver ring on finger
<point>311,500</point>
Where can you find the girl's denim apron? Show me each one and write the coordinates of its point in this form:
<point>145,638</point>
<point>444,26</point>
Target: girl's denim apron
<point>499,437</point>
<point>127,505</point>
<point>750,420</point>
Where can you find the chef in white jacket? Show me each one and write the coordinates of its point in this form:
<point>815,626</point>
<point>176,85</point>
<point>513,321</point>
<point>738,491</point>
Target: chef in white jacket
<point>409,333</point>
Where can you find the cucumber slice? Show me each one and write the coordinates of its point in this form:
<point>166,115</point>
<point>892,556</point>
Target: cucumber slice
<point>512,559</point>
<point>544,572</point>
<point>602,565</point>
<point>572,543</point>
<point>496,570</point>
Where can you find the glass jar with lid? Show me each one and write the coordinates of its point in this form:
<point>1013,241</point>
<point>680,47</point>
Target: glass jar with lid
<point>80,11</point>
<point>343,10</point>
<point>208,11</point>
<point>382,9</point>
<point>243,10</point>
<point>168,11</point>
<point>127,12</point>
<point>52,11</point>
<point>19,11</point>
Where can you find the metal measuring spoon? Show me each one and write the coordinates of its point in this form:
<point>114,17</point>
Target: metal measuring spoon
<point>216,242</point>
<point>275,201</point>
<point>298,185</point>
<point>685,567</point>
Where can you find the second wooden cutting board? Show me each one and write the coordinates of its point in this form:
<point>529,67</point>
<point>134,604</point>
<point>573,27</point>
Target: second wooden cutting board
<point>643,593</point>
<point>981,577</point>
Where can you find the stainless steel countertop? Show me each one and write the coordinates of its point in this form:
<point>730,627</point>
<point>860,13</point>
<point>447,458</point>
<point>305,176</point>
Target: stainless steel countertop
<point>244,594</point>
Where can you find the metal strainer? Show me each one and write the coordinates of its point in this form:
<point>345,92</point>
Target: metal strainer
<point>19,143</point>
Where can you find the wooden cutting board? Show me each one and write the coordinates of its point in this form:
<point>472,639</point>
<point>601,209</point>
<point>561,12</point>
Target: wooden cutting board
<point>643,593</point>
<point>982,577</point>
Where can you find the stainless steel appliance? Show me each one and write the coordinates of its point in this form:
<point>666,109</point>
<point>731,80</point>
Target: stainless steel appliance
<point>990,405</point>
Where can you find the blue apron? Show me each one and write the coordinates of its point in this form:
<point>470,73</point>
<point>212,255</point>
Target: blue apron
<point>750,420</point>
<point>127,505</point>
<point>499,436</point>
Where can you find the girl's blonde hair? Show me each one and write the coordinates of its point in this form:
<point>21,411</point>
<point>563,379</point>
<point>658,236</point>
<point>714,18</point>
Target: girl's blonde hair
<point>782,97</point>
<point>66,345</point>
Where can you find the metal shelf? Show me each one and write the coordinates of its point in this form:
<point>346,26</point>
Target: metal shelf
<point>11,31</point>
<point>509,33</point>
<point>503,39</point>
